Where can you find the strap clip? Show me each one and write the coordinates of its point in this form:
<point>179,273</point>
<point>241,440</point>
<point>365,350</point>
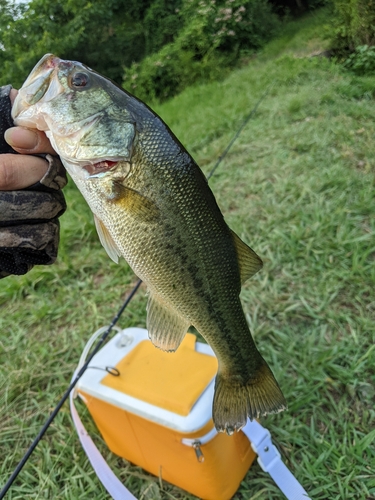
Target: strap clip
<point>267,452</point>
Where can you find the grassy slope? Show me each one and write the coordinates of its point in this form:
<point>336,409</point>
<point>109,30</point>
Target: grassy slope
<point>299,187</point>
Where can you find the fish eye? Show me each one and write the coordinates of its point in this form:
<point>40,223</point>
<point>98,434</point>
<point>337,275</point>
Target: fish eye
<point>79,80</point>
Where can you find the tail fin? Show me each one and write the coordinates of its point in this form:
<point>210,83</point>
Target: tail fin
<point>235,402</point>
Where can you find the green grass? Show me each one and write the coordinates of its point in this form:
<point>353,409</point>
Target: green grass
<point>304,36</point>
<point>298,186</point>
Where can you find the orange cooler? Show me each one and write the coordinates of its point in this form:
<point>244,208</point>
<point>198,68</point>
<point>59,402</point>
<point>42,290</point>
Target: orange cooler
<point>155,410</point>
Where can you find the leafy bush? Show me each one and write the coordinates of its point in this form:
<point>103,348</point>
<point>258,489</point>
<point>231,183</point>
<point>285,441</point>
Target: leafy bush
<point>110,35</point>
<point>214,34</point>
<point>353,24</point>
<point>106,34</point>
<point>161,23</point>
<point>362,60</point>
<point>167,72</point>
<point>284,7</point>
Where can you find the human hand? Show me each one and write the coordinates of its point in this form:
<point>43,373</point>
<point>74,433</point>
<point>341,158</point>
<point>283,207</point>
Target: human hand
<point>31,200</point>
<point>22,170</point>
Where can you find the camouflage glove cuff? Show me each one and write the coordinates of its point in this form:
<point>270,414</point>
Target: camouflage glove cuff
<point>55,177</point>
<point>29,226</point>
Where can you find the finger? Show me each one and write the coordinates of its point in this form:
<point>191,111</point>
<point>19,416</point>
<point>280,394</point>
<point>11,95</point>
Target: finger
<point>28,141</point>
<point>12,95</point>
<point>20,171</point>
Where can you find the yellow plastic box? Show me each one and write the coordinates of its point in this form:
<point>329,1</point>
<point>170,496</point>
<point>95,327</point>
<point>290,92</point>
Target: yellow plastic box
<point>157,413</point>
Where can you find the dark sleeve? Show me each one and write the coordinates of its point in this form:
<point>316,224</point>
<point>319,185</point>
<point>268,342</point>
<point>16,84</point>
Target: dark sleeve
<point>29,225</point>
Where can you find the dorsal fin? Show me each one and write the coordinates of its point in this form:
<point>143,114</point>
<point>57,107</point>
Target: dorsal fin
<point>249,262</point>
<point>106,240</point>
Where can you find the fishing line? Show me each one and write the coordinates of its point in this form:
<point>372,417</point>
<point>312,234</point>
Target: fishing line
<point>34,444</point>
<point>244,123</point>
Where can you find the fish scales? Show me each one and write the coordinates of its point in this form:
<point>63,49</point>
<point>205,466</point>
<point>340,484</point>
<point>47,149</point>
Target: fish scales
<point>153,206</point>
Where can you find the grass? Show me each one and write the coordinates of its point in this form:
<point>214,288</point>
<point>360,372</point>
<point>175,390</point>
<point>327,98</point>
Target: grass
<point>298,186</point>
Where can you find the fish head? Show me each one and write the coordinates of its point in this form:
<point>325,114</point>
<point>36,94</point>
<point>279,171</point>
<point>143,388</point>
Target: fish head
<point>84,115</point>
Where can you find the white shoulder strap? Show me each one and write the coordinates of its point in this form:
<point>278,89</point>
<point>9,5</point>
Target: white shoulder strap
<point>110,482</point>
<point>260,438</point>
<point>270,461</point>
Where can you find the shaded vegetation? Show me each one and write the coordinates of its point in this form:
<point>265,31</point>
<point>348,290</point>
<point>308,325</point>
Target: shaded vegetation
<point>352,34</point>
<point>284,7</point>
<point>156,48</point>
<point>214,34</point>
<point>354,23</point>
<point>178,42</point>
<point>105,34</point>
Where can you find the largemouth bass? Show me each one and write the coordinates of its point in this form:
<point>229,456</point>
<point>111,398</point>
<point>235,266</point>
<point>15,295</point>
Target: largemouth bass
<point>153,206</point>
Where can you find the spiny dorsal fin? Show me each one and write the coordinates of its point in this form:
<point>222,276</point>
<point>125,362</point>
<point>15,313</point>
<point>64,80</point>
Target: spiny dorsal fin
<point>106,240</point>
<point>166,328</point>
<point>248,260</point>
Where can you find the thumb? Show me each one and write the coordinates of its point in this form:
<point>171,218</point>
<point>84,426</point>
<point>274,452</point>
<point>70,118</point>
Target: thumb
<point>28,141</point>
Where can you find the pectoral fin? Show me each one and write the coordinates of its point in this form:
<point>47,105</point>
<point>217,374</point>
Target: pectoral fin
<point>248,260</point>
<point>166,328</point>
<point>141,207</point>
<point>106,240</point>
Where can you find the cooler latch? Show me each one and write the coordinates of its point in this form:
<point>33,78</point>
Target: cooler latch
<point>198,442</point>
<point>198,452</point>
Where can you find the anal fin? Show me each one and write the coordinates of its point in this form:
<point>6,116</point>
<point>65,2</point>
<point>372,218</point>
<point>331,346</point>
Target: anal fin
<point>249,262</point>
<point>106,240</point>
<point>166,328</point>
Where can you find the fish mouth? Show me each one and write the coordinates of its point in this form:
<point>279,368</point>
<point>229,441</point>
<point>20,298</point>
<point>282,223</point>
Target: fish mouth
<point>41,84</point>
<point>100,168</point>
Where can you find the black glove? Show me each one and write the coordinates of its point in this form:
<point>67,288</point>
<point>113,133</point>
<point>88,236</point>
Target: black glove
<point>29,226</point>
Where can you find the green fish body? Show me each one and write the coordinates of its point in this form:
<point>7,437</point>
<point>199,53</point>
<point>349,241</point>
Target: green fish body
<point>153,206</point>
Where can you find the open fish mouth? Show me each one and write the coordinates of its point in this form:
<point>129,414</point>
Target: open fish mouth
<point>40,87</point>
<point>65,100</point>
<point>75,138</point>
<point>36,85</point>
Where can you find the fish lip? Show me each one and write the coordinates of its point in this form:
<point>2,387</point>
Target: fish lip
<point>37,85</point>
